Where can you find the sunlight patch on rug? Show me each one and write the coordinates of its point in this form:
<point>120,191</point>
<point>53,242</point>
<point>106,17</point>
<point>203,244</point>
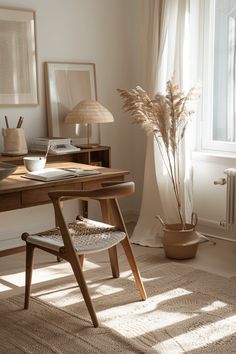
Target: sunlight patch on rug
<point>16,279</point>
<point>211,333</point>
<point>214,306</point>
<point>4,288</point>
<point>144,311</point>
<point>49,272</point>
<point>66,297</point>
<point>39,276</point>
<point>146,325</point>
<point>103,289</point>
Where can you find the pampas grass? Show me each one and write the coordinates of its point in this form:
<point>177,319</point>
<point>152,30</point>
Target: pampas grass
<point>166,116</point>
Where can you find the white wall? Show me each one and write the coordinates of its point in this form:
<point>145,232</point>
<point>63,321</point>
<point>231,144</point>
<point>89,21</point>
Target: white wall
<point>82,31</point>
<point>135,42</point>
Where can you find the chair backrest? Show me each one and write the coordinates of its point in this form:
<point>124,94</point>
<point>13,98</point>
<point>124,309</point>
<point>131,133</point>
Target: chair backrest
<point>107,196</point>
<point>109,191</point>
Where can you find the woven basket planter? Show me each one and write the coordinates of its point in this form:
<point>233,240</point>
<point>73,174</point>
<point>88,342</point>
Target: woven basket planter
<point>179,243</point>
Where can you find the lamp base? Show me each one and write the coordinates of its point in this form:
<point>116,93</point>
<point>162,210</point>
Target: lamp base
<point>88,146</point>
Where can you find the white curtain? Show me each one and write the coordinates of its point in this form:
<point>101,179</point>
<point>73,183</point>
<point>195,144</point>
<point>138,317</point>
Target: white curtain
<point>168,54</point>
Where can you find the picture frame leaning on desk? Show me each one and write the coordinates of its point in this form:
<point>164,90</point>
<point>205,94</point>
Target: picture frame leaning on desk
<point>67,84</point>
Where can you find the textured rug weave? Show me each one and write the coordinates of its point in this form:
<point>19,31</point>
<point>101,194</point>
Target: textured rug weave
<point>46,329</point>
<point>187,310</point>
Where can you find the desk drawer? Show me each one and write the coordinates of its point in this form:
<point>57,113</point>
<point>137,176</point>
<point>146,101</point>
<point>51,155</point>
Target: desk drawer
<point>10,201</point>
<point>40,195</point>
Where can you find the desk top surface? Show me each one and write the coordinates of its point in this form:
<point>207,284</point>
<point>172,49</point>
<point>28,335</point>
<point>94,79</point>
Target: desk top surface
<point>15,182</point>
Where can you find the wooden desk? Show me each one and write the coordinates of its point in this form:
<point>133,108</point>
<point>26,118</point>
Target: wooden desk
<point>17,192</point>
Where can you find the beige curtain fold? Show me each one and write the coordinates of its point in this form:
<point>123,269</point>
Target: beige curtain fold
<point>167,55</point>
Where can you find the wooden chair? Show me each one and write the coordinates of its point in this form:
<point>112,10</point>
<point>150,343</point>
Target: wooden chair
<point>74,240</point>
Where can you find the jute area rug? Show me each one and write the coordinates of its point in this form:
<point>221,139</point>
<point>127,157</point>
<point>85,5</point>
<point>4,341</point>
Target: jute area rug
<point>187,311</point>
<point>46,329</point>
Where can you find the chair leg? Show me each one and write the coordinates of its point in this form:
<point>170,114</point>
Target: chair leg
<point>75,264</point>
<point>28,273</point>
<point>114,262</point>
<point>129,254</point>
<point>81,259</point>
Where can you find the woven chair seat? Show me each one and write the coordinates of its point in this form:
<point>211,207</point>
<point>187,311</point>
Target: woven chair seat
<point>88,236</point>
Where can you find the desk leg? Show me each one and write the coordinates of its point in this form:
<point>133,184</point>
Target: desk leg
<point>85,215</point>
<point>59,259</point>
<point>84,208</point>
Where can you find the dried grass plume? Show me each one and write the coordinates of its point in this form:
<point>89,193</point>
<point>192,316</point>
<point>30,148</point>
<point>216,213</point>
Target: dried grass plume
<point>166,116</point>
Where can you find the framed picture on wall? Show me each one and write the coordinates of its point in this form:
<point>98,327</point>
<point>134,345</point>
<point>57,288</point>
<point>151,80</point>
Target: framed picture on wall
<point>66,85</point>
<point>18,72</point>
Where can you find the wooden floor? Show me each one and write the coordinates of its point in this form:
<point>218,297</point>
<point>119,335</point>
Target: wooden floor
<point>219,258</point>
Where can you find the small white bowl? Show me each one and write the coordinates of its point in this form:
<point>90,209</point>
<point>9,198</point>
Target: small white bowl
<point>34,163</point>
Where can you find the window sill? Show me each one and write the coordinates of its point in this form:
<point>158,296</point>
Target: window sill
<point>213,156</point>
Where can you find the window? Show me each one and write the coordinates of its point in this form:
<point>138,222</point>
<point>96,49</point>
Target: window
<point>219,76</point>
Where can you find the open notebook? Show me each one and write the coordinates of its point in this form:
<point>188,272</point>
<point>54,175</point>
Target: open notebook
<point>54,174</point>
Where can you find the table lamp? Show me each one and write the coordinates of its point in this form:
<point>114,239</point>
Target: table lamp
<point>89,112</point>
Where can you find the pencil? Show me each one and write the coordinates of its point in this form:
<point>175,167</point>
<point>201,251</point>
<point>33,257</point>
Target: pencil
<point>6,120</point>
<point>18,122</point>
<point>21,122</point>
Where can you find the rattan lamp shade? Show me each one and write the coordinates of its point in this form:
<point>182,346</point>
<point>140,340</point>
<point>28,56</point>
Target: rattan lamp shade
<point>89,112</point>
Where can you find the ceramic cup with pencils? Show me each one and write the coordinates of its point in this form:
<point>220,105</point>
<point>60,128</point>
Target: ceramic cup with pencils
<point>14,139</point>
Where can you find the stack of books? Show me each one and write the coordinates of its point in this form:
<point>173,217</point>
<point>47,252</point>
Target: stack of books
<point>57,145</point>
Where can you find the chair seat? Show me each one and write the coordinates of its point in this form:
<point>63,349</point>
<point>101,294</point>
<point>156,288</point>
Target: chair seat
<point>88,236</point>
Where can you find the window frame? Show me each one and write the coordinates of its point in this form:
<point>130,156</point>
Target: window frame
<point>206,142</point>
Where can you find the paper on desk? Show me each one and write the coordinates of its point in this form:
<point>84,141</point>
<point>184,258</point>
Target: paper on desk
<point>54,174</point>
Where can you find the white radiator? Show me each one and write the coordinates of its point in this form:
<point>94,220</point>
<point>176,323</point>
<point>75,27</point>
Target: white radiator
<point>231,200</point>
